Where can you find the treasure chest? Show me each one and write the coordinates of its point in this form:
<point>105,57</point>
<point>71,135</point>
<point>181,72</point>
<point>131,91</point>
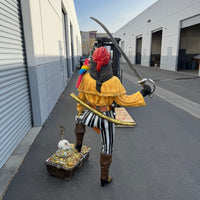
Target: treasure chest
<point>66,161</point>
<point>63,166</point>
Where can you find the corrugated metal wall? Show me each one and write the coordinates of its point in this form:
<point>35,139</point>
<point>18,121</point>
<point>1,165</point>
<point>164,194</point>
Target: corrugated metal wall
<point>15,107</point>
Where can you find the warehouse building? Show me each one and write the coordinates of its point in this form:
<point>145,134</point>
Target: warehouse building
<point>166,35</point>
<point>88,39</point>
<point>40,47</point>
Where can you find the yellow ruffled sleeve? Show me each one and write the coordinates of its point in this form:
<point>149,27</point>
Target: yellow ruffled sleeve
<point>134,100</point>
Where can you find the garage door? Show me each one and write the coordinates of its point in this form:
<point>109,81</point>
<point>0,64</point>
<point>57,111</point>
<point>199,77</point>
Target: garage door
<point>15,108</point>
<point>190,21</point>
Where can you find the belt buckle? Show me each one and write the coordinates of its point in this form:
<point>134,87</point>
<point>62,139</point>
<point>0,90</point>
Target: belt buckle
<point>98,108</point>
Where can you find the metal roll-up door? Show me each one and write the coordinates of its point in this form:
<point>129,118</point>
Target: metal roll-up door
<point>15,107</point>
<point>190,21</point>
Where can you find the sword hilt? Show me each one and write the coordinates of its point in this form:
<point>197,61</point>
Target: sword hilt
<point>144,80</point>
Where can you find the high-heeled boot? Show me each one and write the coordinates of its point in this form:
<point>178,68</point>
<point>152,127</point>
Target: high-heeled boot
<point>105,161</point>
<point>79,131</point>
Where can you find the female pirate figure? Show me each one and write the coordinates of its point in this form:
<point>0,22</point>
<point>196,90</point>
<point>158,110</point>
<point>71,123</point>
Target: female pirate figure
<point>99,88</point>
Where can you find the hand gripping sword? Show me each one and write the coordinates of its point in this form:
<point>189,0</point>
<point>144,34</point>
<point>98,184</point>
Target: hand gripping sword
<point>141,80</point>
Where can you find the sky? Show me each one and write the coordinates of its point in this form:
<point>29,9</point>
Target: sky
<point>112,13</point>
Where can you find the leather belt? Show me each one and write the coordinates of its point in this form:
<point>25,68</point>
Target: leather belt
<point>102,108</point>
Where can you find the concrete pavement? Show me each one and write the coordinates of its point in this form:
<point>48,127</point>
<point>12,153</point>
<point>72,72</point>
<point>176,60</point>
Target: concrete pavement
<point>185,86</point>
<point>181,83</point>
<point>172,87</point>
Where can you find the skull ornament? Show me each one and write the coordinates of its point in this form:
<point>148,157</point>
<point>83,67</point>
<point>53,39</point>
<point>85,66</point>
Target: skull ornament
<point>64,145</point>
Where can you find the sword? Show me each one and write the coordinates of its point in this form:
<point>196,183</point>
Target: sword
<point>115,121</point>
<point>137,74</point>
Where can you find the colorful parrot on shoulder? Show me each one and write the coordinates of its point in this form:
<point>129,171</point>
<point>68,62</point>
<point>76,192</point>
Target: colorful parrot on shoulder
<point>85,67</point>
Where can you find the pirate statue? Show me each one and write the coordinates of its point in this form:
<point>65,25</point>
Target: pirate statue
<point>99,88</point>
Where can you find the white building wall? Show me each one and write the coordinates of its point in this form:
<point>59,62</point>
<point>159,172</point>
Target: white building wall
<point>163,14</point>
<point>45,51</point>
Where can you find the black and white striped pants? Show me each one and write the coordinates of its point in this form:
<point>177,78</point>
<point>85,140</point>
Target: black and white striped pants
<point>107,128</point>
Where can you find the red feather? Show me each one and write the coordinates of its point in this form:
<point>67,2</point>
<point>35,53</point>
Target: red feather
<point>79,80</point>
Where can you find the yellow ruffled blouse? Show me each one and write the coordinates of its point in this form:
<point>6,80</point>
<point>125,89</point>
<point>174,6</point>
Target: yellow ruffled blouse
<point>111,90</point>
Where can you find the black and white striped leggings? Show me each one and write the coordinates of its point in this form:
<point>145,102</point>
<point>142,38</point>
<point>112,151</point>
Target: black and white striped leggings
<point>107,128</point>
